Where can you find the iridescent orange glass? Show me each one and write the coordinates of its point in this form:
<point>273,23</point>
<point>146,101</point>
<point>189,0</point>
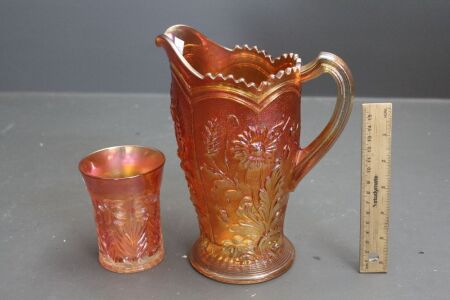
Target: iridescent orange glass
<point>237,124</point>
<point>124,184</point>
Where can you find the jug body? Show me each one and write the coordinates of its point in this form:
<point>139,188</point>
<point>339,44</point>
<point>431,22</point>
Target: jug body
<point>238,164</point>
<point>238,142</point>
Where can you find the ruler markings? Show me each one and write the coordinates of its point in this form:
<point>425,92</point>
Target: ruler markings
<point>375,186</point>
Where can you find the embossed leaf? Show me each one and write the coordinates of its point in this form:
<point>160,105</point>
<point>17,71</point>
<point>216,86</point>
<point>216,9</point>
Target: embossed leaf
<point>128,230</point>
<point>212,140</point>
<point>271,196</point>
<point>215,172</point>
<point>250,223</point>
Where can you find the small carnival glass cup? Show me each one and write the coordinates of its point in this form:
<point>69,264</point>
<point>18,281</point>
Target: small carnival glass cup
<point>124,184</point>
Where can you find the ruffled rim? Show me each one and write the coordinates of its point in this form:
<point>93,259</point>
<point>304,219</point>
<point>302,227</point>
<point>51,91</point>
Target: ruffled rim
<point>285,58</point>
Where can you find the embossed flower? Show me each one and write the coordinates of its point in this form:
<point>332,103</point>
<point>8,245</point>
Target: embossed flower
<point>255,147</point>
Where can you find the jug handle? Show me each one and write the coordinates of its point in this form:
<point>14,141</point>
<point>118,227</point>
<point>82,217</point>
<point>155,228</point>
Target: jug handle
<point>306,158</point>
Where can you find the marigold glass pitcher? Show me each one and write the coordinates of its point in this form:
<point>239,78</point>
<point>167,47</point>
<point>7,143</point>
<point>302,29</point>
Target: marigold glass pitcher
<point>237,124</point>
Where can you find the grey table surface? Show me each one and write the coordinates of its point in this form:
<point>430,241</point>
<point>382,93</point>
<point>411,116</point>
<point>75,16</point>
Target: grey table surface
<point>48,245</point>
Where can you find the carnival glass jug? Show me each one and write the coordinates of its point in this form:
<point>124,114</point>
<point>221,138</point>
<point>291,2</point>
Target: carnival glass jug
<point>237,124</point>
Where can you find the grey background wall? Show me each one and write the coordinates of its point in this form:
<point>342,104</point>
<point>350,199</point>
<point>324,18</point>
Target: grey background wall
<point>394,48</point>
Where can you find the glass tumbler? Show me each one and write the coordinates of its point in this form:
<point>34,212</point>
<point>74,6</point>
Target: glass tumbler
<point>124,185</point>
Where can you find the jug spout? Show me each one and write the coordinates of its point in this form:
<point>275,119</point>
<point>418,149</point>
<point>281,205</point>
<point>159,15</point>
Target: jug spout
<point>178,41</point>
<point>201,61</point>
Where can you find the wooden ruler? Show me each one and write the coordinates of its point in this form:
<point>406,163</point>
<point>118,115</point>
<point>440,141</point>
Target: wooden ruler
<point>375,186</point>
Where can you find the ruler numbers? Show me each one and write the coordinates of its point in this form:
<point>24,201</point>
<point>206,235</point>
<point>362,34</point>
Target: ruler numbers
<point>375,186</point>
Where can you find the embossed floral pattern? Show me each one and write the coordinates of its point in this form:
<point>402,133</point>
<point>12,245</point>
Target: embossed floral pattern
<point>252,185</point>
<point>255,146</point>
<point>238,175</point>
<point>128,228</point>
<point>273,198</point>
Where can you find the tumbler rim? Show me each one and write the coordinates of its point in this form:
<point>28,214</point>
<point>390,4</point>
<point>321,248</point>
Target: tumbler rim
<point>155,150</point>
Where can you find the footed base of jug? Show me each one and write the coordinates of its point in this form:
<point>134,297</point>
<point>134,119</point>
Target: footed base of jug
<point>224,269</point>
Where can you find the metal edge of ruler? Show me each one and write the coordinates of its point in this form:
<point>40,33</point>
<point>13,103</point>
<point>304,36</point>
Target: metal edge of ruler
<point>376,141</point>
